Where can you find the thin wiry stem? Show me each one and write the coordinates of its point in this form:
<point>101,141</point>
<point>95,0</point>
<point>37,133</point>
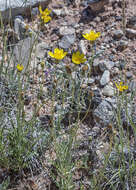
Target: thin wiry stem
<point>123,16</point>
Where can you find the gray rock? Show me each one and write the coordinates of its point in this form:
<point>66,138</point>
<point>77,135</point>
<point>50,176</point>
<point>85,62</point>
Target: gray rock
<point>19,27</point>
<point>132,23</point>
<point>35,11</point>
<point>130,33</point>
<point>97,19</point>
<point>112,101</point>
<point>11,8</point>
<point>114,51</point>
<point>87,15</point>
<point>121,64</point>
<point>105,78</point>
<point>104,113</point>
<point>67,41</point>
<point>64,30</point>
<point>97,5</point>
<point>106,65</point>
<point>118,18</point>
<point>108,90</point>
<point>117,34</point>
<point>129,74</point>
<point>23,51</point>
<point>122,45</point>
<point>103,47</point>
<point>41,49</point>
<point>132,85</point>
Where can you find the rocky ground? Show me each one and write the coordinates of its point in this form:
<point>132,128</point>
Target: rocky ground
<point>116,57</point>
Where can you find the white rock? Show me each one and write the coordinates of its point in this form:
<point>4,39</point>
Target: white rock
<point>108,90</point>
<point>64,30</point>
<point>105,78</point>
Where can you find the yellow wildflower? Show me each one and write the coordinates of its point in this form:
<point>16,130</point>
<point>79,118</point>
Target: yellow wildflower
<point>78,58</point>
<point>44,15</point>
<point>58,54</point>
<point>46,19</point>
<point>121,87</point>
<point>92,35</point>
<point>45,12</point>
<point>19,67</point>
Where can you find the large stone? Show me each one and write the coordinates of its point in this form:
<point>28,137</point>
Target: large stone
<point>132,22</point>
<point>106,65</point>
<point>117,34</point>
<point>64,30</point>
<point>105,78</point>
<point>104,113</point>
<point>97,5</point>
<point>108,90</point>
<point>41,50</point>
<point>122,45</point>
<point>67,41</point>
<point>11,8</point>
<point>22,51</point>
<point>130,33</point>
<point>87,15</point>
<point>132,86</point>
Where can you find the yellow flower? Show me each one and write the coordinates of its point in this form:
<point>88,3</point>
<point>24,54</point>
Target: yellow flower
<point>58,54</point>
<point>45,12</point>
<point>121,87</point>
<point>78,58</point>
<point>44,15</point>
<point>46,19</point>
<point>19,67</point>
<point>92,35</point>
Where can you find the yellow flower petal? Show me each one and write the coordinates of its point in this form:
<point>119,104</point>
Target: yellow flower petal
<point>78,58</point>
<point>58,54</point>
<point>56,50</point>
<point>46,19</point>
<point>40,9</point>
<point>44,14</point>
<point>47,12</point>
<point>125,87</point>
<point>116,85</point>
<point>65,53</point>
<point>121,87</point>
<point>91,36</point>
<point>19,67</point>
<point>51,54</point>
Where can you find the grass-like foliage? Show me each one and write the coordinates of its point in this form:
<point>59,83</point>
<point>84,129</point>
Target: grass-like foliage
<point>24,136</point>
